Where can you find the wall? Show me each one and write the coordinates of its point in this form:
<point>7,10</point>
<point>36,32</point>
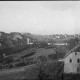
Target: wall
<point>72,63</point>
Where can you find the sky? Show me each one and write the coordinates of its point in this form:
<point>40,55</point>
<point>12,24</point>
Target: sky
<point>40,17</point>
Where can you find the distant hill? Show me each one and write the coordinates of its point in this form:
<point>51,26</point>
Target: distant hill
<point>53,37</point>
<point>16,41</point>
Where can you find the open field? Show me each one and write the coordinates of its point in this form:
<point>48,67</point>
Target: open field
<point>43,52</point>
<point>27,72</point>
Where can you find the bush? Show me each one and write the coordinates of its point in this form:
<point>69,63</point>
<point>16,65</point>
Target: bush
<point>50,70</point>
<point>41,59</point>
<point>52,56</point>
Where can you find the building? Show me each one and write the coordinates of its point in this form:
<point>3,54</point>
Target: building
<point>59,44</point>
<point>72,61</point>
<point>29,41</point>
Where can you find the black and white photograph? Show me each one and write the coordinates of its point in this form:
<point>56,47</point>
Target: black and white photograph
<point>39,40</point>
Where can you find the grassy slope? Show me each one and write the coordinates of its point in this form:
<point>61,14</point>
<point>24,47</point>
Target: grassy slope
<point>18,73</point>
<point>48,68</point>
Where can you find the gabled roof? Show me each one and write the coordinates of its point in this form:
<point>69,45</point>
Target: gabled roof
<point>73,49</point>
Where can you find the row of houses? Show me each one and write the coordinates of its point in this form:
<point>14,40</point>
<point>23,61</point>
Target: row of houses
<point>62,36</point>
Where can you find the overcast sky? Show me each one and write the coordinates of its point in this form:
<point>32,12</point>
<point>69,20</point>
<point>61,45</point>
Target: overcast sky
<point>40,17</point>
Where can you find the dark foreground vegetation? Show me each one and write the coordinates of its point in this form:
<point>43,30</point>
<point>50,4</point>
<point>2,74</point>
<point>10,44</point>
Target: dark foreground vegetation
<point>40,71</point>
<point>44,70</point>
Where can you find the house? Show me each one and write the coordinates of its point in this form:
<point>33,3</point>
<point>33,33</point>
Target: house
<point>30,41</point>
<point>72,61</point>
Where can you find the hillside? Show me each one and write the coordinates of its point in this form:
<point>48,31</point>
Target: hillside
<point>26,62</point>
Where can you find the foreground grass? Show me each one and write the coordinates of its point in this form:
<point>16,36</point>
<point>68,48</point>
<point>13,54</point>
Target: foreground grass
<point>41,71</point>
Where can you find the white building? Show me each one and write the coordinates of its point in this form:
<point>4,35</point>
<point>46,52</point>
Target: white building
<point>28,41</point>
<point>61,44</point>
<point>72,61</point>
